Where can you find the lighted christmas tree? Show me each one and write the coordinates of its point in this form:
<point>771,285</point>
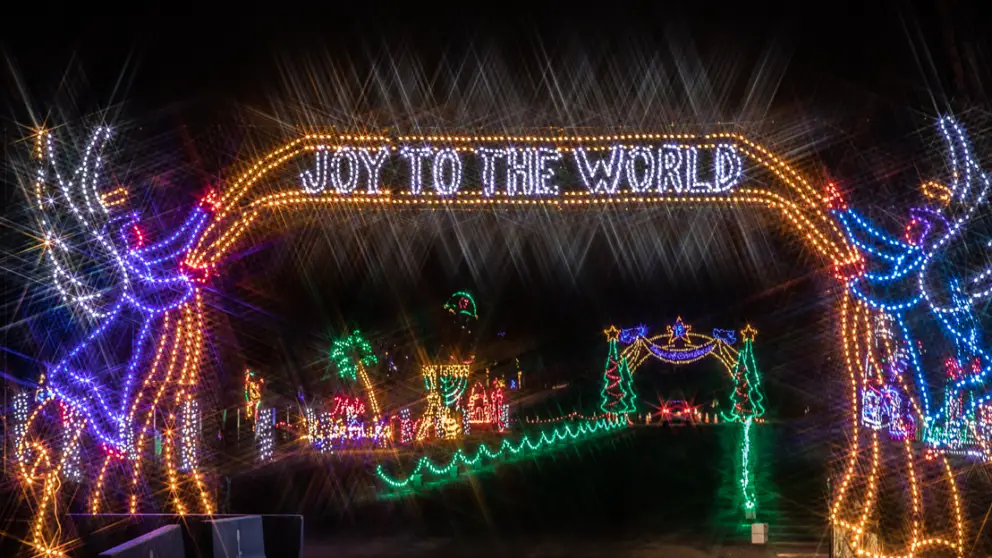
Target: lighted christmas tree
<point>747,406</point>
<point>618,395</point>
<point>746,398</point>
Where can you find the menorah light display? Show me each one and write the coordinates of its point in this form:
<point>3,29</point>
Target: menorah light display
<point>126,281</point>
<point>444,417</point>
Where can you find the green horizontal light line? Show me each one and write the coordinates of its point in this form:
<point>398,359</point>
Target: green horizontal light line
<point>564,433</point>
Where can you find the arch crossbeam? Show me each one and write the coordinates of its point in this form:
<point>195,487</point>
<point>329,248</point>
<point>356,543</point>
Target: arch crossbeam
<point>680,345</point>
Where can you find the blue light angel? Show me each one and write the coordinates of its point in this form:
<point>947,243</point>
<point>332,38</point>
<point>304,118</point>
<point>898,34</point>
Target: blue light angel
<point>106,272</point>
<point>940,265</point>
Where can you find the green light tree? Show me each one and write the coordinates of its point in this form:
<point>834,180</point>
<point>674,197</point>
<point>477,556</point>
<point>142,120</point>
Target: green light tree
<point>747,401</point>
<point>618,395</point>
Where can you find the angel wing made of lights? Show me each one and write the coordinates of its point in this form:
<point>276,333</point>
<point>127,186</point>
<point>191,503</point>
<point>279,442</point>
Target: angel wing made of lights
<point>124,288</point>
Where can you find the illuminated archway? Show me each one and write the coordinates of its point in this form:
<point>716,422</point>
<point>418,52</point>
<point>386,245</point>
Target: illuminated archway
<point>661,170</point>
<point>805,209</point>
<point>680,345</point>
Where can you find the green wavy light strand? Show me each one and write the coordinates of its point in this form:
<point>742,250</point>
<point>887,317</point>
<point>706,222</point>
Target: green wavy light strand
<point>558,434</point>
<point>747,488</point>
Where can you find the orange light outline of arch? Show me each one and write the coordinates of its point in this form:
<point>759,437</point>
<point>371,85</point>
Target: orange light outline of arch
<point>806,209</point>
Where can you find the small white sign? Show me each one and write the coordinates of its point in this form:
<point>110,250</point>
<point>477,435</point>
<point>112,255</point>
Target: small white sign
<point>759,533</point>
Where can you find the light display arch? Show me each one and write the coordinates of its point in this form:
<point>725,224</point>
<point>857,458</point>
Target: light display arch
<point>679,345</point>
<point>630,170</point>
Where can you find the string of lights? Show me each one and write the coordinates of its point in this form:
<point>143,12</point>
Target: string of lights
<point>679,345</point>
<point>618,396</point>
<point>573,416</point>
<point>906,266</point>
<point>544,441</point>
<point>747,486</point>
<point>488,407</point>
<point>747,396</point>
<point>161,282</point>
<point>682,346</point>
<point>253,394</point>
<point>747,408</point>
<point>351,355</point>
<point>265,434</point>
<point>189,435</point>
<point>139,282</point>
<point>463,304</point>
<point>443,418</point>
<point>344,425</point>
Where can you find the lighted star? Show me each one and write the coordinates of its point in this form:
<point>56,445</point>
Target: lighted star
<point>748,333</point>
<point>612,333</point>
<point>678,331</point>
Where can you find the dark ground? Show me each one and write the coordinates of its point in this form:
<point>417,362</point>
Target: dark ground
<point>647,488</point>
<point>658,547</point>
<point>652,492</point>
<point>646,491</point>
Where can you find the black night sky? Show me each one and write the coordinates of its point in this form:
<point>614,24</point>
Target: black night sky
<point>852,91</point>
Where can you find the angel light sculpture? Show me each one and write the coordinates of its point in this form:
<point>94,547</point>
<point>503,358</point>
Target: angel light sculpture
<point>133,297</point>
<point>935,267</point>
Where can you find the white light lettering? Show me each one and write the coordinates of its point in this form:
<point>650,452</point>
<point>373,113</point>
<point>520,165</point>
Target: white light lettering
<point>666,168</point>
<point>341,185</point>
<point>373,165</point>
<point>610,169</point>
<point>671,159</point>
<point>415,155</point>
<point>315,182</point>
<point>449,158</point>
<point>692,182</point>
<point>543,173</point>
<point>489,156</point>
<point>646,180</point>
<point>518,171</point>
<point>728,167</point>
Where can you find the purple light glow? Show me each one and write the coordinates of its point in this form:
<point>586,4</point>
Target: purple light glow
<point>682,355</point>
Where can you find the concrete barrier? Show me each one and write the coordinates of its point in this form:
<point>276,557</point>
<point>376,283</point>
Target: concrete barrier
<point>164,542</point>
<point>238,537</point>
